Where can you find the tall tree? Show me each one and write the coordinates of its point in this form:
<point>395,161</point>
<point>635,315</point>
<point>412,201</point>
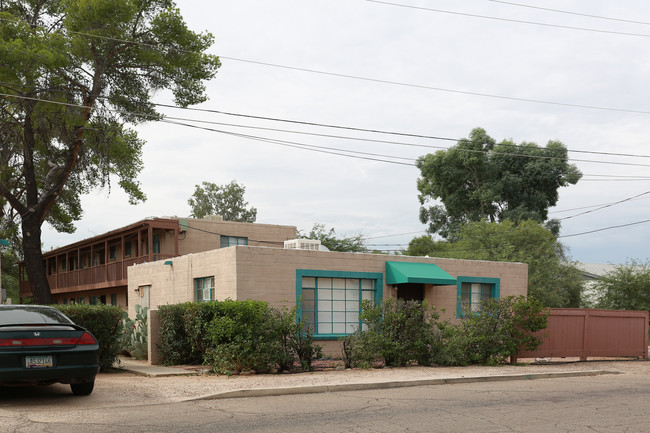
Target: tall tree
<point>479,180</point>
<point>329,238</point>
<point>73,74</point>
<point>552,278</point>
<point>627,287</point>
<point>224,200</point>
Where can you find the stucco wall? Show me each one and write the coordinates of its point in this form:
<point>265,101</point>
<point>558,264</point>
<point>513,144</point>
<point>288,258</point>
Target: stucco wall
<point>204,235</point>
<point>269,274</point>
<point>173,284</point>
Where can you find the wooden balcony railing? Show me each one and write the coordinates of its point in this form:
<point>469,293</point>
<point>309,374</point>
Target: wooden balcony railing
<point>109,275</point>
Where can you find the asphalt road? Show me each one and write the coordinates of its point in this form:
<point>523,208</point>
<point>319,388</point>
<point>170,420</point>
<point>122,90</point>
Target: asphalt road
<point>611,403</point>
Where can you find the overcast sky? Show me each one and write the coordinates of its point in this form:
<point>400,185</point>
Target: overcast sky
<point>387,67</point>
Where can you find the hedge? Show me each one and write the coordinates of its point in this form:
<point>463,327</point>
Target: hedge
<point>104,322</point>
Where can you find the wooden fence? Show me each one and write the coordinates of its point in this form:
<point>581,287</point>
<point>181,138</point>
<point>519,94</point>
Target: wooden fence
<point>583,333</point>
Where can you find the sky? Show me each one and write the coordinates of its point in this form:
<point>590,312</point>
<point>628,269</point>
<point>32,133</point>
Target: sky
<point>423,67</point>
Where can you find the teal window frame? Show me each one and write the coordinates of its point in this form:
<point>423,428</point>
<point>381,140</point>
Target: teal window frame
<point>486,283</point>
<point>230,241</point>
<point>377,290</point>
<point>200,286</point>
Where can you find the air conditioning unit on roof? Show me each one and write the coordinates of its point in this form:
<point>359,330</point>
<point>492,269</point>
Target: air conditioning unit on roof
<point>303,244</point>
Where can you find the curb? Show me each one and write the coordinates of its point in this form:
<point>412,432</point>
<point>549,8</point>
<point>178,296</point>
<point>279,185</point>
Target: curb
<point>269,392</point>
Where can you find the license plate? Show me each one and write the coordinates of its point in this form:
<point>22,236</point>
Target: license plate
<point>44,361</point>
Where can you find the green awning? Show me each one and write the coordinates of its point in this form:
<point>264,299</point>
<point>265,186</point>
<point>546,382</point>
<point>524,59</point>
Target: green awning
<point>425,273</point>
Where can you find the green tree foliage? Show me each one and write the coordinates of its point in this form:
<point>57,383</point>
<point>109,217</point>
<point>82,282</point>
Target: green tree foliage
<point>76,72</point>
<point>9,263</point>
<point>480,180</point>
<point>627,287</point>
<point>333,242</point>
<point>224,200</point>
<point>552,278</point>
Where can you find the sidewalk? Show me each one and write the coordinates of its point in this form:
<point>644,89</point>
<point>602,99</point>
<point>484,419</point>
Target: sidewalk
<point>189,383</point>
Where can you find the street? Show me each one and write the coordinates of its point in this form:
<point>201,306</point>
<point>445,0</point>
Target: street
<point>610,403</point>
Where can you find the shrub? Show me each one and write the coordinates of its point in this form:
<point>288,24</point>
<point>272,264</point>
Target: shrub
<point>176,347</point>
<point>104,322</point>
<point>243,337</point>
<point>198,318</point>
<point>296,340</point>
<point>395,333</point>
<point>503,327</point>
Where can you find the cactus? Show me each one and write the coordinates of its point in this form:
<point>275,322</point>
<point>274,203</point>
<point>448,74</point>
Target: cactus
<point>135,335</point>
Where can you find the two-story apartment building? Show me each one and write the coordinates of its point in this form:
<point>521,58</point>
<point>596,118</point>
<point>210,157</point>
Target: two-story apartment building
<point>95,270</point>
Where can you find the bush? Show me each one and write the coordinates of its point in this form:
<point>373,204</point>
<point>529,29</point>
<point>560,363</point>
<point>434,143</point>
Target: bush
<point>296,340</point>
<point>504,327</point>
<point>176,347</point>
<point>235,335</point>
<point>197,318</point>
<point>104,322</point>
<point>399,333</point>
<point>395,333</point>
<point>243,337</point>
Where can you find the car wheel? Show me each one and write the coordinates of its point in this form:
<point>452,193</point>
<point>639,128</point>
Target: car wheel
<point>82,388</point>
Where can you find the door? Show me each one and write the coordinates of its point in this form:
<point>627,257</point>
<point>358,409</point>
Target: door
<point>410,291</point>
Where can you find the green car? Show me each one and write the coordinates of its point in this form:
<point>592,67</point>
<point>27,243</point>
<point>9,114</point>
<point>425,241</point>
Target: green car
<point>40,345</point>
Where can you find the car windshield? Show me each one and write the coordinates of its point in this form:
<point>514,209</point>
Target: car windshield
<point>14,315</point>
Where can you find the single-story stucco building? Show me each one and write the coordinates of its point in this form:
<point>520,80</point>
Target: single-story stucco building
<point>327,287</point>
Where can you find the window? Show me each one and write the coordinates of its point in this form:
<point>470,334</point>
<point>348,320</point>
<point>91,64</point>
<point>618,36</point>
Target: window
<point>127,249</point>
<point>204,289</point>
<point>94,300</point>
<point>330,301</point>
<point>111,252</point>
<point>114,299</point>
<point>229,241</point>
<point>473,291</point>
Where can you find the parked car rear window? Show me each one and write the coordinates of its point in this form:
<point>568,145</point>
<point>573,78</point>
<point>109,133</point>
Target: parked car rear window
<point>33,314</point>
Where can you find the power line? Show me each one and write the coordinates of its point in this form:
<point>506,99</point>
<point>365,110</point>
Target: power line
<point>581,208</point>
<point>314,148</point>
<point>605,228</point>
<point>559,26</point>
<point>606,206</point>
<point>294,144</point>
<point>376,80</point>
<point>571,13</point>
<point>432,137</point>
<point>378,131</point>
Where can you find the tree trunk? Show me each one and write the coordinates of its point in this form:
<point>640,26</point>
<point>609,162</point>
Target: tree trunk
<point>36,271</point>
